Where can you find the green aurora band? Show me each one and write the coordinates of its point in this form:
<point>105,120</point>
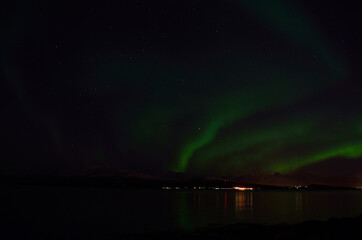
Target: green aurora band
<point>293,25</point>
<point>242,87</point>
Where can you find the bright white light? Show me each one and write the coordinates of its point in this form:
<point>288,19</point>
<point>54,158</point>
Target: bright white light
<point>243,188</point>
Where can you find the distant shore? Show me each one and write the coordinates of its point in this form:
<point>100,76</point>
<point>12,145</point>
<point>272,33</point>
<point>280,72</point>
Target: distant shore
<point>183,184</point>
<point>334,228</point>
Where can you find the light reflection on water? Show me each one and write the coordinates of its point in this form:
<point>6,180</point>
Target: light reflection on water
<point>299,204</point>
<point>244,205</point>
<point>131,210</point>
<point>204,208</point>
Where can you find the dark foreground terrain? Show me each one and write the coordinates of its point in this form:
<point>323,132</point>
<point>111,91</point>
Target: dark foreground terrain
<point>344,228</point>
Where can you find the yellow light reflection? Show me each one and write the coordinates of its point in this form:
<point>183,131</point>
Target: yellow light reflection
<point>244,204</point>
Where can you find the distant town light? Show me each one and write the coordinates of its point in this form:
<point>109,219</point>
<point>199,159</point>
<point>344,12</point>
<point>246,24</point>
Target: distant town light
<point>242,188</point>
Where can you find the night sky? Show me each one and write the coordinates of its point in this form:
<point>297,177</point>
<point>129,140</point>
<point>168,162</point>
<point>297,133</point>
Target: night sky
<point>232,87</point>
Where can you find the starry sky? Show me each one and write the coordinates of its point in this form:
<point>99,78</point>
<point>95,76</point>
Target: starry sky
<point>233,87</point>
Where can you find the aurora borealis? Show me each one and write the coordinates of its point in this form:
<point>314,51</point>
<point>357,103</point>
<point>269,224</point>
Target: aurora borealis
<point>215,88</point>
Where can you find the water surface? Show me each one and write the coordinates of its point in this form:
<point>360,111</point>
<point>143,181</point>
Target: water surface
<point>109,212</point>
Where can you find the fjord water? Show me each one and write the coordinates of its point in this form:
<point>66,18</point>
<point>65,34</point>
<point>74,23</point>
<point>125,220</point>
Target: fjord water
<point>102,212</point>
